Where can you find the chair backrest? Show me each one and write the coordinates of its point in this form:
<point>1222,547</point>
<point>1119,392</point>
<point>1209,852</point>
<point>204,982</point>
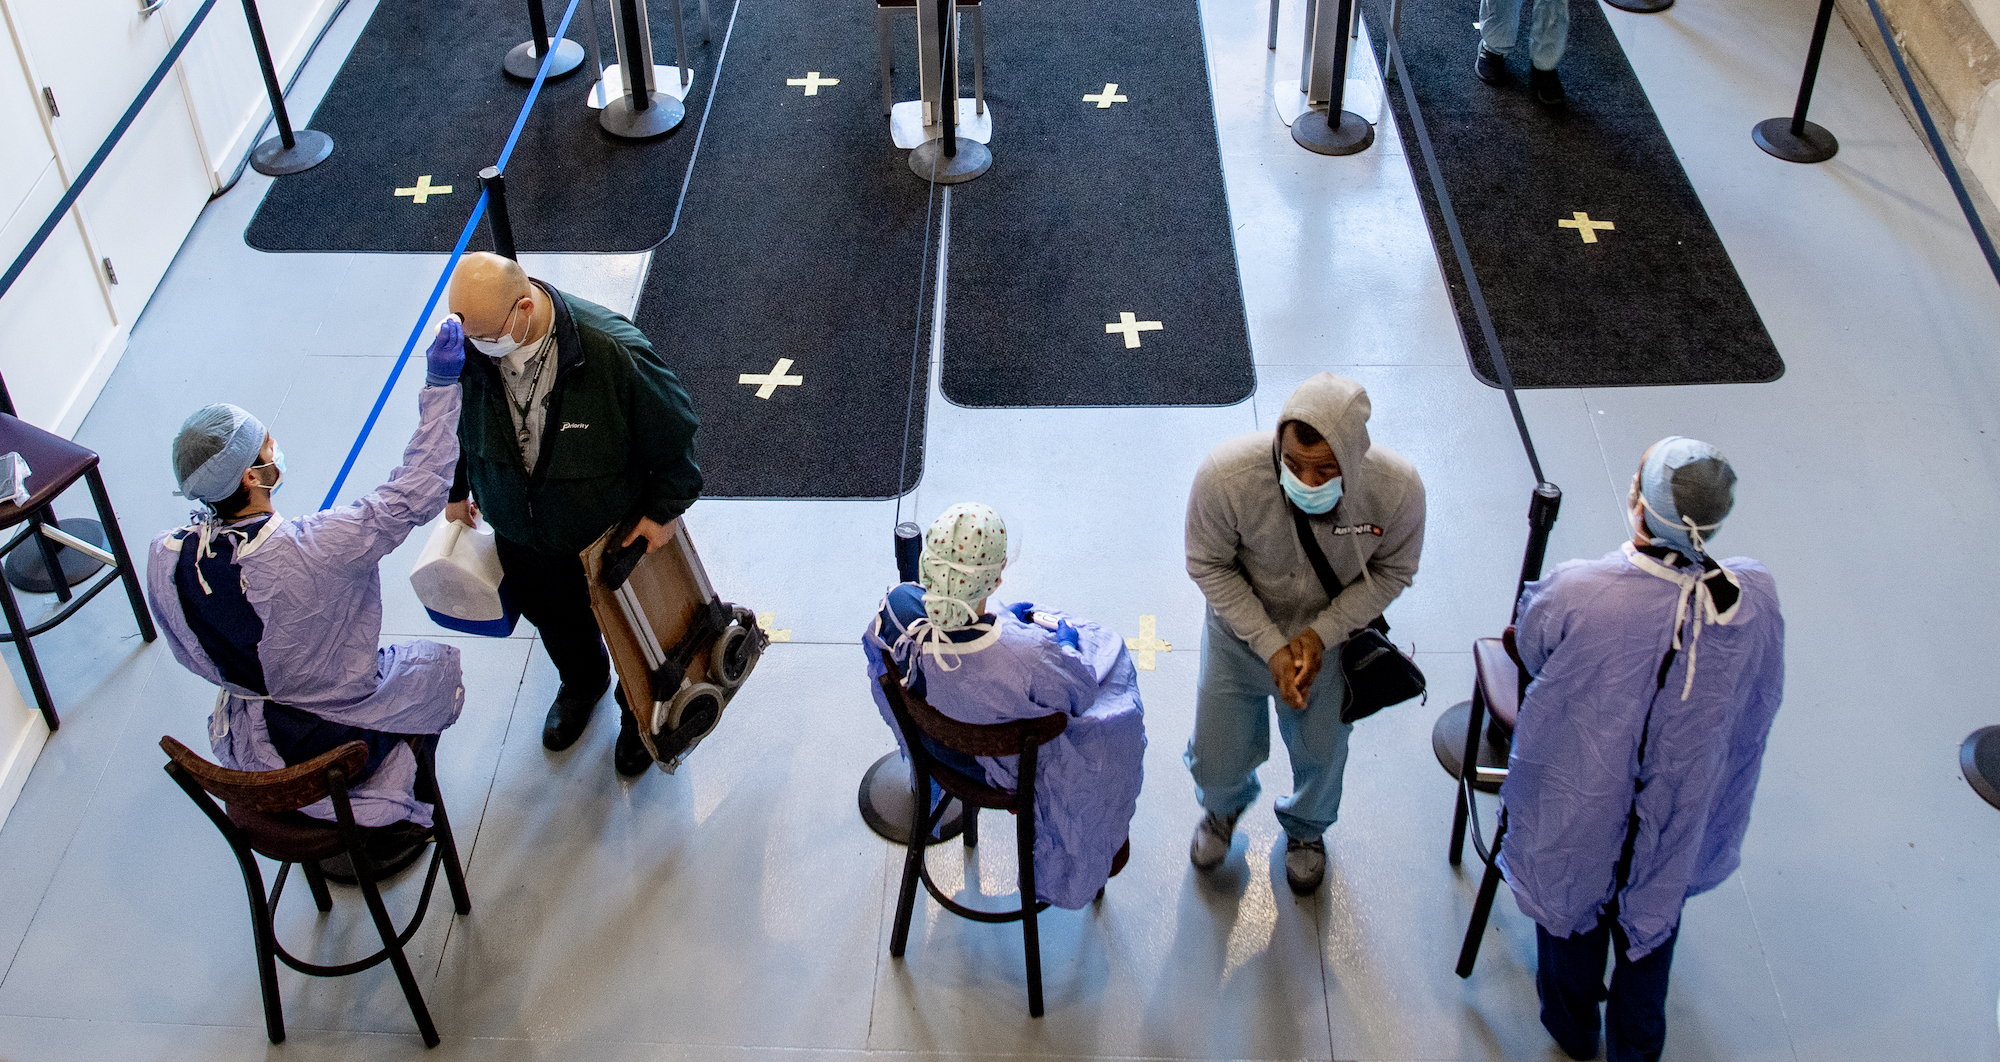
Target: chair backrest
<point>272,792</point>
<point>917,717</point>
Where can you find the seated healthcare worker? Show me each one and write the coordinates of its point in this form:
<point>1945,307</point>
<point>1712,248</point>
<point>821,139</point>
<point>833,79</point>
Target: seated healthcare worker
<point>286,615</point>
<point>985,668</point>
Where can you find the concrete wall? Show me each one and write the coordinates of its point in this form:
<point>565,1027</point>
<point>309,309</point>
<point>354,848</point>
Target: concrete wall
<point>1949,45</point>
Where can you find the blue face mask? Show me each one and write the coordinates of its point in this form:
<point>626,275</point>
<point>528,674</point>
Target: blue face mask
<point>1315,500</point>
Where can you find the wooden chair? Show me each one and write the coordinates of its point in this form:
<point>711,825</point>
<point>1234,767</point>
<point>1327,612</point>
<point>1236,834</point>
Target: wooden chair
<point>55,465</point>
<point>1471,740</point>
<point>885,11</point>
<point>260,816</point>
<point>920,722</point>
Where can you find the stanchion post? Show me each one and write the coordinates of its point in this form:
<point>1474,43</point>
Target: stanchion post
<point>948,79</point>
<point>524,60</point>
<point>950,158</point>
<point>1343,132</point>
<point>909,546</point>
<point>496,211</point>
<point>1795,139</point>
<point>290,151</point>
<point>1543,507</point>
<point>641,112</point>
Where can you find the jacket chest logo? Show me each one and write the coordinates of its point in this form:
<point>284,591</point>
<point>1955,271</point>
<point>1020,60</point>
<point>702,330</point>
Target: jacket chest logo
<point>1359,529</point>
<point>568,424</point>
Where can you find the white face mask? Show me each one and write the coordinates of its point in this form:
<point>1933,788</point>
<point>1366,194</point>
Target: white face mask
<point>503,344</point>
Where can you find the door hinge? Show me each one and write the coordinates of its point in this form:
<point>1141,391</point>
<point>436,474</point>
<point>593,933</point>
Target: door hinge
<point>110,273</point>
<point>49,97</point>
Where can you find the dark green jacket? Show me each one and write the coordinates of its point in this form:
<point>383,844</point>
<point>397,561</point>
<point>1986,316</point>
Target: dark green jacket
<point>619,437</point>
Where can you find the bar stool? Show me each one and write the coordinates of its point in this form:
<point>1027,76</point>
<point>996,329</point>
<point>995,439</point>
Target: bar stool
<point>55,464</point>
<point>884,12</point>
<point>1474,752</point>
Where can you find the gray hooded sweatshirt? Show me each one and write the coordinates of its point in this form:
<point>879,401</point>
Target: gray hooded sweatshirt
<point>1244,553</point>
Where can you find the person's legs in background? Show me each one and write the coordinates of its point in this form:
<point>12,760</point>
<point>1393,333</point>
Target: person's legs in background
<point>1569,978</point>
<point>550,590</point>
<point>1635,1018</point>
<point>1232,736</point>
<point>1548,34</point>
<point>1499,26</point>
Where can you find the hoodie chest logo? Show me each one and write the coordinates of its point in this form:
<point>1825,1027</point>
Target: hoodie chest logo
<point>568,424</point>
<point>1359,529</point>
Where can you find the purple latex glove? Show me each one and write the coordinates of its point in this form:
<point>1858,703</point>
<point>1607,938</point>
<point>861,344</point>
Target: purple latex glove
<point>446,357</point>
<point>1066,635</point>
<point>1022,611</point>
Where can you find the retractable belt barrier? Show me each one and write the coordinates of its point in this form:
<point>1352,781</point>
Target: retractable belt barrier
<point>492,186</point>
<point>1546,501</point>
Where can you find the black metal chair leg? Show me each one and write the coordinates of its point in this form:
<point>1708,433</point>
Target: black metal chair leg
<point>1031,936</point>
<point>266,936</point>
<point>969,821</point>
<point>913,854</point>
<point>316,881</point>
<point>1482,906</point>
<point>1468,774</point>
<point>29,663</point>
<point>397,959</point>
<point>51,563</point>
<point>116,540</point>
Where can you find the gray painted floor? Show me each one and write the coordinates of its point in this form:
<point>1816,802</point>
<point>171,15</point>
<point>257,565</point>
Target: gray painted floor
<point>741,909</point>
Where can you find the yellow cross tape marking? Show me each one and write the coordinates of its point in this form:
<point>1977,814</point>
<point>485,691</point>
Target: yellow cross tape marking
<point>1105,99</point>
<point>812,82</point>
<point>766,619</point>
<point>769,382</point>
<point>1584,226</point>
<point>1129,323</point>
<point>424,190</point>
<point>1147,643</point>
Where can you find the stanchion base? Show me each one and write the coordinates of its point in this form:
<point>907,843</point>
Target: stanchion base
<point>1774,135</point>
<point>1641,7</point>
<point>1314,133</point>
<point>28,574</point>
<point>620,118</point>
<point>309,148</point>
<point>524,62</point>
<point>885,803</point>
<point>928,161</point>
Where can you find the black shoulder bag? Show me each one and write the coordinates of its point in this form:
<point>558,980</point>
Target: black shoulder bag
<point>1378,674</point>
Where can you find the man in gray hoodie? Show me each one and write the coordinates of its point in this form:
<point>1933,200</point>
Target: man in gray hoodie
<point>1272,628</point>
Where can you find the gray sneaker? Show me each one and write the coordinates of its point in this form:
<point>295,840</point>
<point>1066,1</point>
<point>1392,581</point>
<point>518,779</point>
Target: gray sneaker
<point>1211,841</point>
<point>1305,864</point>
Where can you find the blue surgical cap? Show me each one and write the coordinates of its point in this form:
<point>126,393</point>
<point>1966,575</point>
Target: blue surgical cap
<point>214,448</point>
<point>1688,488</point>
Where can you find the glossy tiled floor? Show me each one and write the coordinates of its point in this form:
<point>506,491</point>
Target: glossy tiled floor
<point>741,909</point>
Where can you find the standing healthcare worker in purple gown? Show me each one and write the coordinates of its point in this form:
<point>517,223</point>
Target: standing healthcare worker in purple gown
<point>985,667</point>
<point>1657,671</point>
<point>286,615</point>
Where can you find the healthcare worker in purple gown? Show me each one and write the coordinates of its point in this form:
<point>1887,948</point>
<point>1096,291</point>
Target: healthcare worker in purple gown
<point>1657,670</point>
<point>286,615</point>
<point>985,667</point>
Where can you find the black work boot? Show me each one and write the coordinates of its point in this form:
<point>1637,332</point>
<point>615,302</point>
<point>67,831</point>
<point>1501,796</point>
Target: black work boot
<point>1547,88</point>
<point>570,714</point>
<point>1490,67</point>
<point>630,755</point>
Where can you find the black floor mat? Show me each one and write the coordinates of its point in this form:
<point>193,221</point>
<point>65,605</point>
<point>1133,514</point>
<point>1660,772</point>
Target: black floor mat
<point>803,240</point>
<point>422,93</point>
<point>1653,301</point>
<point>1093,216</point>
